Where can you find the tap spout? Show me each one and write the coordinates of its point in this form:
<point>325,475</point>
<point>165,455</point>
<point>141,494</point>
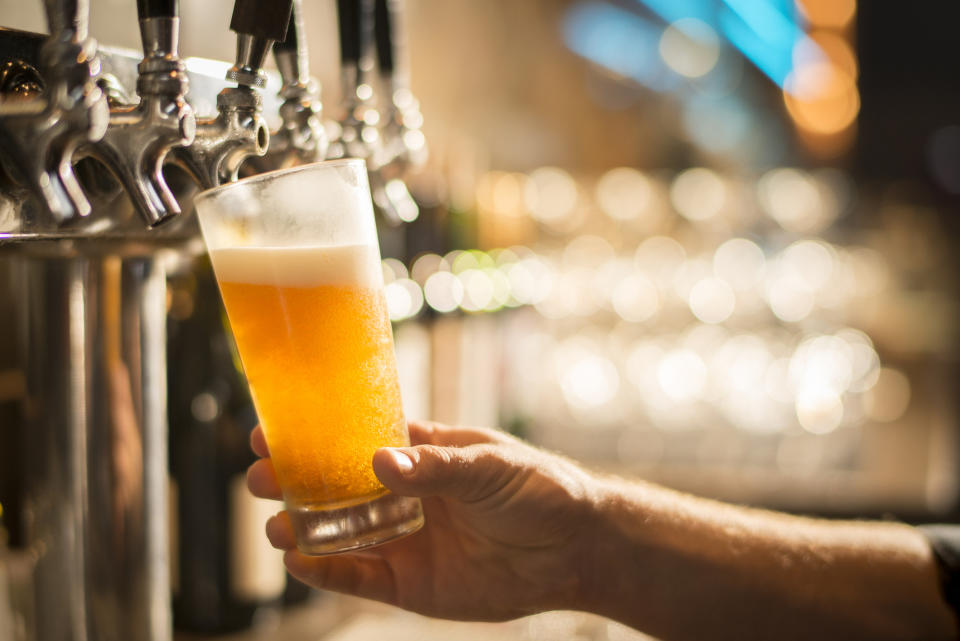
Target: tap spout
<point>39,136</point>
<point>239,131</point>
<point>222,144</point>
<point>140,136</point>
<point>301,137</point>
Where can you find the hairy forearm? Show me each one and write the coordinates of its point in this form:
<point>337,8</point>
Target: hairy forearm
<point>681,567</point>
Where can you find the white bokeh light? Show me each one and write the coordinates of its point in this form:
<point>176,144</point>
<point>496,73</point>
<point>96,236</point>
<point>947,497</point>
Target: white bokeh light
<point>550,195</point>
<point>712,300</point>
<point>740,262</point>
<point>698,194</point>
<point>682,374</point>
<point>635,298</point>
<point>624,194</point>
<point>690,47</point>
<point>443,291</point>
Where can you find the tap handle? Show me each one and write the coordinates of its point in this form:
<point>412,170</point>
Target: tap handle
<point>355,18</point>
<point>158,9</point>
<point>68,17</point>
<point>267,19</point>
<point>385,31</point>
<point>291,52</point>
<point>348,19</point>
<point>258,24</point>
<point>291,39</point>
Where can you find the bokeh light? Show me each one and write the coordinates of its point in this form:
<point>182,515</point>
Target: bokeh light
<point>635,298</point>
<point>443,291</point>
<point>793,198</point>
<point>835,14</point>
<point>822,97</point>
<point>690,47</point>
<point>624,194</point>
<point>712,300</point>
<point>698,194</point>
<point>740,262</point>
<point>550,195</point>
<point>682,375</point>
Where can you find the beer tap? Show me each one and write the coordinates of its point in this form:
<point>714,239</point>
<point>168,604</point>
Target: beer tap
<point>403,142</point>
<point>403,145</point>
<point>38,136</point>
<point>301,137</point>
<point>238,131</point>
<point>358,136</point>
<point>140,136</point>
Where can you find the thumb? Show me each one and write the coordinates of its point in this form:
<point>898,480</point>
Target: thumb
<point>471,473</point>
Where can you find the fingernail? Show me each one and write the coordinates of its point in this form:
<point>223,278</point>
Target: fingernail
<point>403,462</point>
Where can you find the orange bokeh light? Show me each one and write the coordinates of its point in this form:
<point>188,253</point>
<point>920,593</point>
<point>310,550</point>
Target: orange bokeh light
<point>834,14</point>
<point>837,49</point>
<point>822,98</point>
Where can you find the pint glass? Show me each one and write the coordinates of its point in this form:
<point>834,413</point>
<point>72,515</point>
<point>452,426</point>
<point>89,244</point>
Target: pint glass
<point>296,256</point>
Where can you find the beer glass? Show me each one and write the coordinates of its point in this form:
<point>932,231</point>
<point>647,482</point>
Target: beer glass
<point>296,257</point>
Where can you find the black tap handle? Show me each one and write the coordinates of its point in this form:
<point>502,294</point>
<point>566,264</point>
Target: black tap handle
<point>349,19</point>
<point>290,43</point>
<point>384,29</point>
<point>158,9</point>
<point>266,19</point>
<point>68,16</point>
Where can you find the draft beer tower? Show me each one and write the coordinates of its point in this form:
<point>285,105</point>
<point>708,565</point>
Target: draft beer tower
<point>91,213</point>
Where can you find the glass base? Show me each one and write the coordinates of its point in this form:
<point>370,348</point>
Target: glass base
<point>321,531</point>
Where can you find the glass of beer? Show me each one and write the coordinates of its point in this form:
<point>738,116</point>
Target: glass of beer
<point>296,256</point>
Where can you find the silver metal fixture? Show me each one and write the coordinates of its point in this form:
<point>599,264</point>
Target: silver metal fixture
<point>140,136</point>
<point>301,137</point>
<point>239,131</point>
<point>38,136</point>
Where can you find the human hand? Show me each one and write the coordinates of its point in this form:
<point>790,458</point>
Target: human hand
<point>504,535</point>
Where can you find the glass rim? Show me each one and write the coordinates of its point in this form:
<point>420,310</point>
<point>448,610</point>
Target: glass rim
<point>273,173</point>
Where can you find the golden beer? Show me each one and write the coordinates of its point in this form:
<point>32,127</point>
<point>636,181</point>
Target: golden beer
<point>296,255</point>
<point>313,333</point>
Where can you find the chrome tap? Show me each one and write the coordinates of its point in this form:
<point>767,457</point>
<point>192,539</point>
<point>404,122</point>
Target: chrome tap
<point>392,147</point>
<point>357,134</point>
<point>238,131</point>
<point>38,136</point>
<point>140,136</point>
<point>404,146</point>
<point>301,137</point>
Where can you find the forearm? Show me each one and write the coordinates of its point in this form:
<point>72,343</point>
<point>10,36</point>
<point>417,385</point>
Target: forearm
<point>681,567</point>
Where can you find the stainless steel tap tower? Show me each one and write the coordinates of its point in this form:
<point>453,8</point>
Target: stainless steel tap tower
<point>94,192</point>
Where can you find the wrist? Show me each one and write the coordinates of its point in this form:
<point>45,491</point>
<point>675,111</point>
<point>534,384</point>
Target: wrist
<point>608,554</point>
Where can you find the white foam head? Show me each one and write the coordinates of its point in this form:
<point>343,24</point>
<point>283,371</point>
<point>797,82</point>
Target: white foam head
<point>350,265</point>
<point>321,204</point>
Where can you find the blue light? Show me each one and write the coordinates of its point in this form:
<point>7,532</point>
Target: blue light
<point>776,62</point>
<point>771,26</point>
<point>619,40</point>
<point>673,10</point>
<point>764,31</point>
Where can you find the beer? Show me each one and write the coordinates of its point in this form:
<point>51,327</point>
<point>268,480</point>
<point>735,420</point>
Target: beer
<point>296,256</point>
<point>314,337</point>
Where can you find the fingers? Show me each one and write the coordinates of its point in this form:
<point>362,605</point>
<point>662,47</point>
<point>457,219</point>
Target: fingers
<point>470,473</point>
<point>262,480</point>
<point>280,531</point>
<point>430,433</point>
<point>258,442</point>
<point>365,576</point>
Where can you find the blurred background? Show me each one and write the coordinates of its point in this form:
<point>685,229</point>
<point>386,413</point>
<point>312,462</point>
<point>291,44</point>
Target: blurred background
<point>710,243</point>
